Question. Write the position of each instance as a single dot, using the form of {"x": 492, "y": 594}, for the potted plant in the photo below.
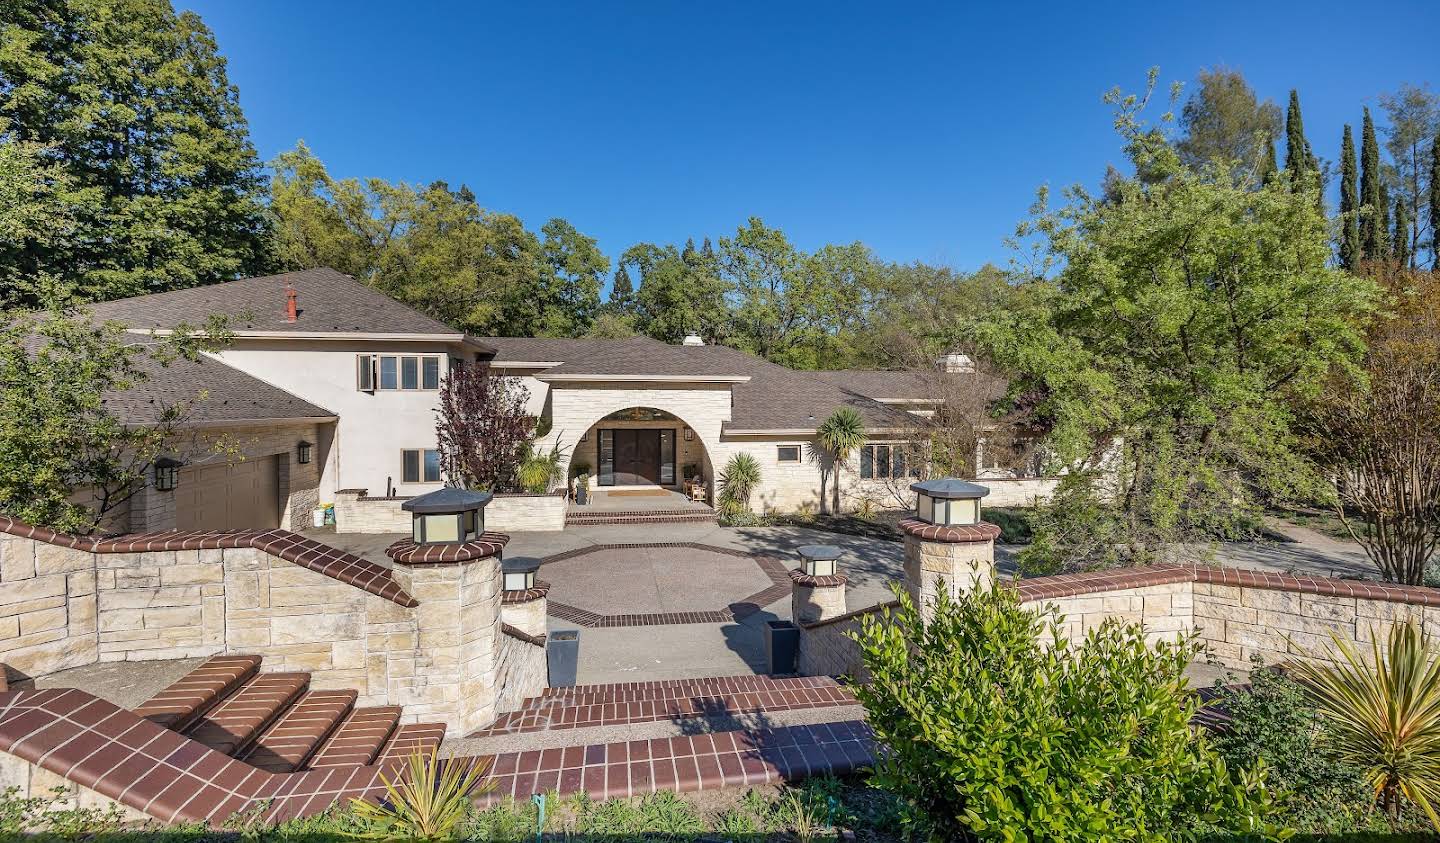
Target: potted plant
{"x": 582, "y": 489}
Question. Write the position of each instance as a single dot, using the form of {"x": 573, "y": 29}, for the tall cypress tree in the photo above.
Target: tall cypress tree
{"x": 1269, "y": 169}
{"x": 1349, "y": 203}
{"x": 1402, "y": 234}
{"x": 1435, "y": 204}
{"x": 622, "y": 291}
{"x": 1372, "y": 208}
{"x": 1300, "y": 160}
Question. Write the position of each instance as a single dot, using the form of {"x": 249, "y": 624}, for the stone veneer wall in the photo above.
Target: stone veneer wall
{"x": 522, "y": 669}
{"x": 355, "y": 512}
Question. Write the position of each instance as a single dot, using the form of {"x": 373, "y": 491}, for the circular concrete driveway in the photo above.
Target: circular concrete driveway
{"x": 645, "y": 585}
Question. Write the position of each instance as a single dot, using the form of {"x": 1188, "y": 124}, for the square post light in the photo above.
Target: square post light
{"x": 167, "y": 474}
{"x": 305, "y": 452}
{"x": 518, "y": 574}
{"x": 447, "y": 516}
{"x": 948, "y": 502}
{"x": 820, "y": 560}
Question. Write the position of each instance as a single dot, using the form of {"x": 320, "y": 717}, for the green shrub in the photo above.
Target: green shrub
{"x": 1275, "y": 722}
{"x": 994, "y": 733}
{"x": 539, "y": 471}
{"x": 1014, "y": 523}
{"x": 429, "y": 802}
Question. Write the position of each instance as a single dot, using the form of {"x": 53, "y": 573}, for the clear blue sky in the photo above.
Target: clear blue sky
{"x": 921, "y": 130}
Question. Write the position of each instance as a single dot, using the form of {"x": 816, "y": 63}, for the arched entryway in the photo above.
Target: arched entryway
{"x": 642, "y": 447}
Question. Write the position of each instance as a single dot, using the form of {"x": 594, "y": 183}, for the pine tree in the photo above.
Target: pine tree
{"x": 688, "y": 254}
{"x": 1269, "y": 169}
{"x": 1435, "y": 204}
{"x": 622, "y": 292}
{"x": 1372, "y": 207}
{"x": 1349, "y": 203}
{"x": 1300, "y": 161}
{"x": 1401, "y": 238}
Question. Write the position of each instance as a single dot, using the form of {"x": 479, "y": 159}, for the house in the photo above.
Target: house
{"x": 329, "y": 385}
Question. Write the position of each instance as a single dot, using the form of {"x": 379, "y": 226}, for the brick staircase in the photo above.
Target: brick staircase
{"x": 276, "y": 722}
{"x": 579, "y": 517}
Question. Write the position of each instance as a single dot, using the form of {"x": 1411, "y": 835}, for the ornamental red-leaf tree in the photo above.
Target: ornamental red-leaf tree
{"x": 483, "y": 428}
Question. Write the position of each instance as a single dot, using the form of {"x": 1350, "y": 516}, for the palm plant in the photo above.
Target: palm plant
{"x": 540, "y": 471}
{"x": 842, "y": 434}
{"x": 1384, "y": 714}
{"x": 428, "y": 802}
{"x": 737, "y": 482}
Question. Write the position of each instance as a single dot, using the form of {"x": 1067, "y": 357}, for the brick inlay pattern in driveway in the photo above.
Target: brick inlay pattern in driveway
{"x": 774, "y": 570}
{"x": 679, "y": 700}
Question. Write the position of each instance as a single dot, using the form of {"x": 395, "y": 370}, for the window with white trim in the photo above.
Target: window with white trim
{"x": 420, "y": 465}
{"x": 394, "y": 372}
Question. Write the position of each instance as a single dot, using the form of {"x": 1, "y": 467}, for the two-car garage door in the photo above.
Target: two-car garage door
{"x": 245, "y": 495}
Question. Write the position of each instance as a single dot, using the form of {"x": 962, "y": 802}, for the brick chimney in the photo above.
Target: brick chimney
{"x": 290, "y": 312}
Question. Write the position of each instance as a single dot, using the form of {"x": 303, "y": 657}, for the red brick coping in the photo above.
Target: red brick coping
{"x": 292, "y": 547}
{"x": 541, "y": 589}
{"x": 537, "y": 640}
{"x": 407, "y": 552}
{"x": 800, "y": 578}
{"x": 982, "y": 532}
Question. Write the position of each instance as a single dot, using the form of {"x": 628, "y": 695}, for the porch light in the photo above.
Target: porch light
{"x": 519, "y": 574}
{"x": 447, "y": 516}
{"x": 820, "y": 559}
{"x": 948, "y": 502}
{"x": 167, "y": 474}
{"x": 689, "y": 435}
{"x": 305, "y": 451}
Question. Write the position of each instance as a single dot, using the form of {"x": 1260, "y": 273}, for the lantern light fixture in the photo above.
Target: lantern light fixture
{"x": 167, "y": 474}
{"x": 948, "y": 502}
{"x": 447, "y": 516}
{"x": 821, "y": 560}
{"x": 305, "y": 452}
{"x": 518, "y": 574}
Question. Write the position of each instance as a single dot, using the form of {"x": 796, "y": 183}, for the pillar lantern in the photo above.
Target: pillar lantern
{"x": 447, "y": 516}
{"x": 820, "y": 559}
{"x": 518, "y": 574}
{"x": 948, "y": 502}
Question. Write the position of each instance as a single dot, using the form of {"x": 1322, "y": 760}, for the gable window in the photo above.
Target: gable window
{"x": 787, "y": 453}
{"x": 885, "y": 462}
{"x": 420, "y": 466}
{"x": 394, "y": 372}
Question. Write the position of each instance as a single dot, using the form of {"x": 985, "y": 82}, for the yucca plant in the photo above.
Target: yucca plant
{"x": 842, "y": 434}
{"x": 737, "y": 482}
{"x": 1384, "y": 714}
{"x": 428, "y": 802}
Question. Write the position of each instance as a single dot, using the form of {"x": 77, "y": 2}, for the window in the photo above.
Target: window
{"x": 390, "y": 372}
{"x": 787, "y": 453}
{"x": 420, "y": 466}
{"x": 885, "y": 462}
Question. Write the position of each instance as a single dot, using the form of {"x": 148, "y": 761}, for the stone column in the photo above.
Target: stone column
{"x": 955, "y": 559}
{"x": 816, "y": 599}
{"x": 458, "y": 624}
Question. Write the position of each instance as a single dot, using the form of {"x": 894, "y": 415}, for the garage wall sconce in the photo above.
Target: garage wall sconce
{"x": 167, "y": 474}
{"x": 305, "y": 452}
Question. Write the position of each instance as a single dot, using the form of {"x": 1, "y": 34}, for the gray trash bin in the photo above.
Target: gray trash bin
{"x": 782, "y": 646}
{"x": 562, "y": 651}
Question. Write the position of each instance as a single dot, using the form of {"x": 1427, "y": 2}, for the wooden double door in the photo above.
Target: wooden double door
{"x": 637, "y": 457}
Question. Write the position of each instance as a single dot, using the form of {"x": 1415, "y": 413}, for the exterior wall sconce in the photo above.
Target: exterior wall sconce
{"x": 305, "y": 452}
{"x": 167, "y": 474}
{"x": 447, "y": 516}
{"x": 519, "y": 574}
{"x": 948, "y": 502}
{"x": 689, "y": 435}
{"x": 821, "y": 560}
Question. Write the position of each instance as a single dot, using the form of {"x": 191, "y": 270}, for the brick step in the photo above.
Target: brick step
{"x": 233, "y": 724}
{"x": 714, "y": 702}
{"x": 295, "y": 735}
{"x": 359, "y": 738}
{"x": 679, "y": 516}
{"x": 180, "y": 704}
{"x": 423, "y": 738}
{"x": 675, "y": 688}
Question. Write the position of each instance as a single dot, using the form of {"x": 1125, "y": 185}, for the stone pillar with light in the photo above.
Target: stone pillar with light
{"x": 453, "y": 569}
{"x": 523, "y": 603}
{"x": 819, "y": 587}
{"x": 947, "y": 545}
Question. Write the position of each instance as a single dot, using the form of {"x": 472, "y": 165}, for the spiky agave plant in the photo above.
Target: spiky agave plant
{"x": 1384, "y": 714}
{"x": 738, "y": 481}
{"x": 428, "y": 802}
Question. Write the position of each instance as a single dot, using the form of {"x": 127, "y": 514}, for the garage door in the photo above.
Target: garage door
{"x": 245, "y": 495}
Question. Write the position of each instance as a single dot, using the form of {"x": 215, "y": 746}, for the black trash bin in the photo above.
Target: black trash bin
{"x": 562, "y": 651}
{"x": 782, "y": 646}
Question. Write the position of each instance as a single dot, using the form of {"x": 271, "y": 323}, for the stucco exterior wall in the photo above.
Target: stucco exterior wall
{"x": 374, "y": 427}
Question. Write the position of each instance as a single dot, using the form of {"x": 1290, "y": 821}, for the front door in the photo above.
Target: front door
{"x": 637, "y": 457}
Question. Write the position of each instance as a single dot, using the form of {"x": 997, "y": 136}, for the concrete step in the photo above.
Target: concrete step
{"x": 610, "y": 517}
{"x": 184, "y": 701}
{"x": 297, "y": 733}
{"x": 238, "y": 720}
{"x": 673, "y": 688}
{"x": 359, "y": 739}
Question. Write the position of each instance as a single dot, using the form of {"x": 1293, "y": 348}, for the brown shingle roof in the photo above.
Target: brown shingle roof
{"x": 216, "y": 394}
{"x": 328, "y": 302}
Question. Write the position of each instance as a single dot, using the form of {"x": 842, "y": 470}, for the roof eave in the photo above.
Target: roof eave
{"x": 597, "y": 378}
{"x": 191, "y": 425}
{"x": 462, "y": 339}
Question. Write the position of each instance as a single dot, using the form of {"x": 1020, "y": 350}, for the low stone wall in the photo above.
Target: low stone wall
{"x": 355, "y": 512}
{"x": 826, "y": 648}
{"x": 522, "y": 670}
{"x": 1029, "y": 491}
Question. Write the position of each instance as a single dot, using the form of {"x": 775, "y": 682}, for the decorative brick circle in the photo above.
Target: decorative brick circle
{"x": 407, "y": 552}
{"x": 772, "y": 568}
{"x": 965, "y": 534}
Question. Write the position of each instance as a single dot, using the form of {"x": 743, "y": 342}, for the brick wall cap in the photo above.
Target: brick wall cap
{"x": 407, "y": 552}
{"x": 965, "y": 534}
{"x": 512, "y": 598}
{"x": 804, "y": 580}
